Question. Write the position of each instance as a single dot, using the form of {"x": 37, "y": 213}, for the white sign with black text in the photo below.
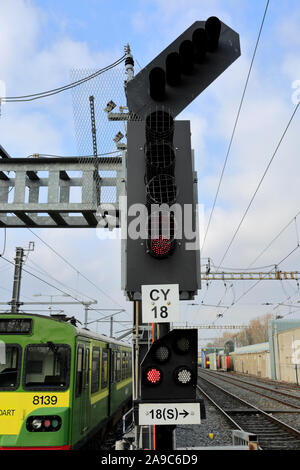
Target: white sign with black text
{"x": 160, "y": 303}
{"x": 169, "y": 413}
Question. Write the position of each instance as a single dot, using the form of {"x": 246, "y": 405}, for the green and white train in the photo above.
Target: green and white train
{"x": 59, "y": 385}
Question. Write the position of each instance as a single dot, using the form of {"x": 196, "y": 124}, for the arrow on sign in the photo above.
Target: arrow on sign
{"x": 184, "y": 413}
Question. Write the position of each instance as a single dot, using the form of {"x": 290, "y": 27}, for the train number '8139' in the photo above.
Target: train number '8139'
{"x": 44, "y": 400}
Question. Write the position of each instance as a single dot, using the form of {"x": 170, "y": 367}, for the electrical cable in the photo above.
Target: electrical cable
{"x": 70, "y": 156}
{"x": 44, "y": 94}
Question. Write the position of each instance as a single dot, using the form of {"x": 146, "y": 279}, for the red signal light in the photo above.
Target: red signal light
{"x": 161, "y": 229}
{"x": 154, "y": 376}
{"x": 160, "y": 246}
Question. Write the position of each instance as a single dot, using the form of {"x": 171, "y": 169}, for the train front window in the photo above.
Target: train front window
{"x": 47, "y": 366}
{"x": 10, "y": 365}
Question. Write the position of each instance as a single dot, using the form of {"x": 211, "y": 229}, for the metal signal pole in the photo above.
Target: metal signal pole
{"x": 19, "y": 260}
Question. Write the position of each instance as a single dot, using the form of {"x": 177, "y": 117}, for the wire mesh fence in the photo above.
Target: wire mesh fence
{"x": 94, "y": 133}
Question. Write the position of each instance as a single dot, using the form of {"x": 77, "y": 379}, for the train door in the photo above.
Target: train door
{"x": 85, "y": 397}
{"x": 111, "y": 378}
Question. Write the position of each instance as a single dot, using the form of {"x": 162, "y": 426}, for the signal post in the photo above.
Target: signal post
{"x": 162, "y": 251}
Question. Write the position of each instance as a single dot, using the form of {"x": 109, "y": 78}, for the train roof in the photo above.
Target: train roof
{"x": 92, "y": 334}
{"x": 77, "y": 331}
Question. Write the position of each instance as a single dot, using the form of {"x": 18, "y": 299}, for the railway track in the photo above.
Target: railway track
{"x": 275, "y": 394}
{"x": 272, "y": 433}
{"x": 275, "y": 384}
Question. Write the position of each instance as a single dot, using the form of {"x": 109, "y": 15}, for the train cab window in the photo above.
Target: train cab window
{"x": 95, "y": 370}
{"x": 47, "y": 366}
{"x": 79, "y": 371}
{"x": 104, "y": 369}
{"x": 10, "y": 365}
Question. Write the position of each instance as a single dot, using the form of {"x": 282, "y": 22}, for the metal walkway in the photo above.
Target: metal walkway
{"x": 36, "y": 192}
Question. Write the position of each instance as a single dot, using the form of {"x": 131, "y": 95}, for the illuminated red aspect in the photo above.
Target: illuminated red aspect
{"x": 160, "y": 246}
{"x": 153, "y": 376}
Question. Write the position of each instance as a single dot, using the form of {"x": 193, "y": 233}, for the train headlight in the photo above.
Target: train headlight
{"x": 37, "y": 423}
{"x": 43, "y": 423}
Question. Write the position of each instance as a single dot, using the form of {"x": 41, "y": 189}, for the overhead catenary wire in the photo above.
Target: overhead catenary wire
{"x": 43, "y": 280}
{"x": 44, "y": 94}
{"x": 242, "y": 269}
{"x": 60, "y": 290}
{"x": 74, "y": 268}
{"x": 260, "y": 280}
{"x": 259, "y": 184}
{"x": 235, "y": 124}
{"x": 274, "y": 239}
{"x": 42, "y": 271}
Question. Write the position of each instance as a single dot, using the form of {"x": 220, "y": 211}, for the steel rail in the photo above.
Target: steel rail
{"x": 232, "y": 381}
{"x": 280, "y": 425}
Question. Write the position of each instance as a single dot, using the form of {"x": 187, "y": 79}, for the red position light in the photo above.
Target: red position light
{"x": 153, "y": 375}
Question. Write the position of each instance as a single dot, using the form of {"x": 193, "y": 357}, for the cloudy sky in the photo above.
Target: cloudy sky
{"x": 42, "y": 42}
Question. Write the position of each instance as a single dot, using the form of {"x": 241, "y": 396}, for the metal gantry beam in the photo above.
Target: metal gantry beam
{"x": 29, "y": 207}
{"x": 214, "y": 327}
{"x": 254, "y": 276}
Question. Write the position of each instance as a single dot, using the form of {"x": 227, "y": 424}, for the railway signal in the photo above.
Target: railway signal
{"x": 161, "y": 227}
{"x": 162, "y": 186}
{"x": 169, "y": 370}
{"x": 160, "y": 165}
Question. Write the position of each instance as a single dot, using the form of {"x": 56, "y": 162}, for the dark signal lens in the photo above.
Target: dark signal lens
{"x": 183, "y": 344}
{"x": 213, "y": 30}
{"x": 173, "y": 69}
{"x": 162, "y": 353}
{"x": 186, "y": 52}
{"x": 157, "y": 84}
{"x": 200, "y": 44}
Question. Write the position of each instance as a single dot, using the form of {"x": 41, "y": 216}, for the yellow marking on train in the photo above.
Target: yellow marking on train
{"x": 14, "y": 407}
{"x": 123, "y": 383}
{"x": 99, "y": 396}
